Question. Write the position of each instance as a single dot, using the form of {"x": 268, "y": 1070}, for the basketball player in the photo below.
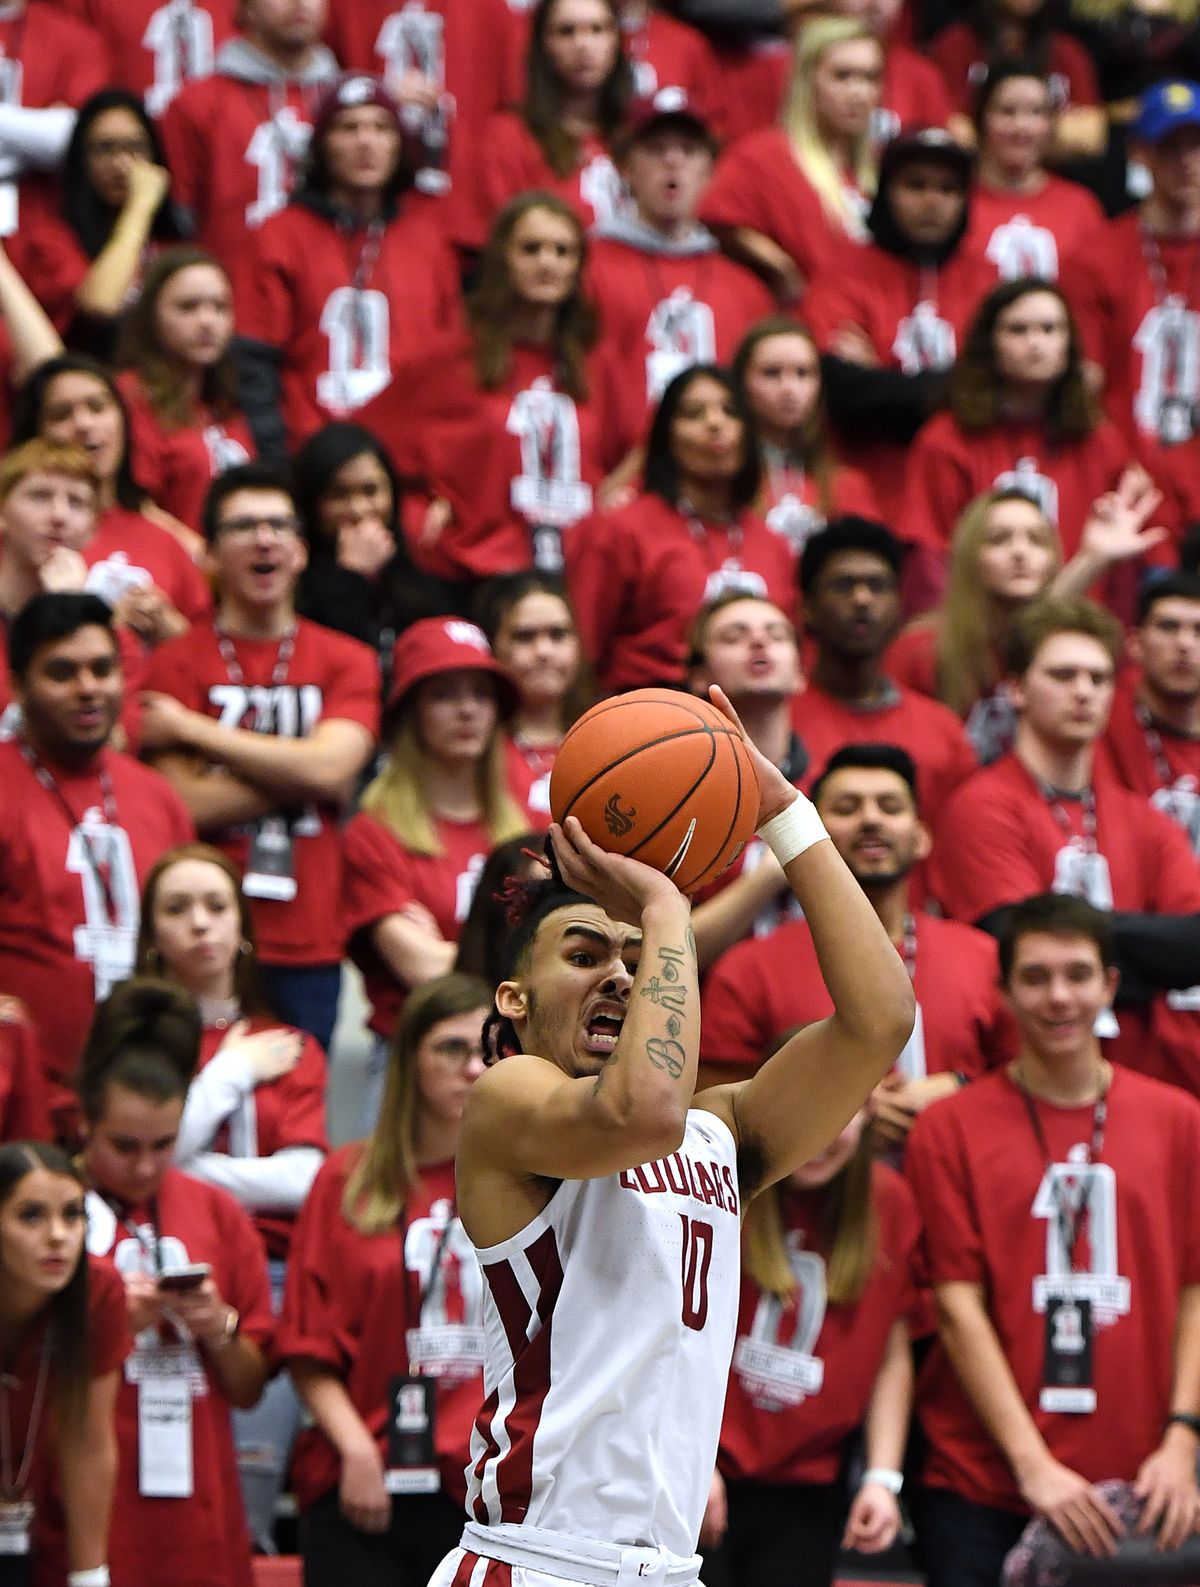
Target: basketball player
{"x": 604, "y": 1201}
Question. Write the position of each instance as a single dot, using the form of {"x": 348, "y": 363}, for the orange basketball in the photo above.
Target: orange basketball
{"x": 662, "y": 777}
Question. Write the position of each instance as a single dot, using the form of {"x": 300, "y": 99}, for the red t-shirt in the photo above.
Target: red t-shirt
{"x": 663, "y": 312}
{"x": 790, "y": 502}
{"x": 999, "y": 840}
{"x": 154, "y": 47}
{"x": 639, "y": 575}
{"x": 803, "y": 1370}
{"x": 129, "y": 551}
{"x": 176, "y": 466}
{"x": 928, "y": 730}
{"x": 758, "y": 184}
{"x": 915, "y": 319}
{"x": 108, "y": 1345}
{"x": 949, "y": 466}
{"x": 1155, "y": 761}
{"x": 510, "y": 459}
{"x": 192, "y": 1542}
{"x": 764, "y": 987}
{"x": 352, "y": 1297}
{"x": 960, "y": 54}
{"x": 330, "y": 677}
{"x": 988, "y": 1208}
{"x": 345, "y": 307}
{"x": 283, "y": 1113}
{"x": 509, "y": 160}
{"x": 24, "y": 1098}
{"x": 1031, "y": 234}
{"x": 1145, "y": 337}
{"x": 234, "y": 149}
{"x": 382, "y": 875}
{"x": 529, "y": 767}
{"x": 62, "y": 947}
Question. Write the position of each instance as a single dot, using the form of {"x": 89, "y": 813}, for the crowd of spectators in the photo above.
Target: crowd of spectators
{"x": 382, "y": 384}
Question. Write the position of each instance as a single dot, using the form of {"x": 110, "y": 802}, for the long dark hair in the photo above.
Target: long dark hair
{"x": 490, "y": 305}
{"x": 84, "y": 211}
{"x": 139, "y": 348}
{"x": 542, "y": 107}
{"x": 27, "y": 420}
{"x": 145, "y": 1036}
{"x": 67, "y": 1311}
{"x": 976, "y": 393}
{"x": 662, "y": 471}
{"x": 316, "y": 463}
{"x": 810, "y": 442}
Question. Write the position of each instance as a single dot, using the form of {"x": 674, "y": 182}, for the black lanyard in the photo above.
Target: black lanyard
{"x": 121, "y": 1213}
{"x": 1069, "y": 1219}
{"x": 233, "y": 667}
{"x": 1087, "y": 800}
{"x": 101, "y": 870}
{"x": 435, "y": 1267}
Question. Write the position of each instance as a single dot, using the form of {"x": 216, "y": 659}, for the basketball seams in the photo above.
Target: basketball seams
{"x": 733, "y": 819}
{"x": 726, "y": 798}
{"x": 674, "y": 811}
{"x": 630, "y": 754}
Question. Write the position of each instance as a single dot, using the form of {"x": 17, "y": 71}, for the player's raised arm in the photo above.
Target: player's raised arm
{"x": 604, "y": 1002}
{"x": 806, "y": 1092}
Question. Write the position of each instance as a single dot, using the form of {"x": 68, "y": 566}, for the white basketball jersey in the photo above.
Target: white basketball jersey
{"x": 610, "y": 1323}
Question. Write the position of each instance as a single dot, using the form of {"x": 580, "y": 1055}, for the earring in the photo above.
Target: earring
{"x": 245, "y": 948}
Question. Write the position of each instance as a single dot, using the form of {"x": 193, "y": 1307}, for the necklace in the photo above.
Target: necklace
{"x": 218, "y": 1013}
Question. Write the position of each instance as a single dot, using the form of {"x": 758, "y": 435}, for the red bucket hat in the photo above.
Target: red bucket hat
{"x": 446, "y": 644}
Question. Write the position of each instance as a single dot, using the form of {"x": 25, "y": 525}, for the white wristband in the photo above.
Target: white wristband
{"x": 793, "y": 830}
{"x": 893, "y": 1481}
{"x": 96, "y": 1577}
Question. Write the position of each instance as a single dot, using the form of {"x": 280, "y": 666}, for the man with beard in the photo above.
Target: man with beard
{"x": 866, "y": 797}
{"x": 80, "y": 826}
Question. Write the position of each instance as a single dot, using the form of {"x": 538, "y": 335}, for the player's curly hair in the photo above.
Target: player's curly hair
{"x": 529, "y": 901}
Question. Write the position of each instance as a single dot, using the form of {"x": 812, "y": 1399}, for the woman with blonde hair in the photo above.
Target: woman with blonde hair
{"x": 1004, "y": 554}
{"x": 784, "y": 200}
{"x": 828, "y": 1276}
{"x": 441, "y": 802}
{"x": 381, "y": 1277}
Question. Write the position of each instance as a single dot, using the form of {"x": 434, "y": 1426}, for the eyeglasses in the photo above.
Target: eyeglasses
{"x": 456, "y": 1051}
{"x": 242, "y": 528}
{"x": 113, "y": 148}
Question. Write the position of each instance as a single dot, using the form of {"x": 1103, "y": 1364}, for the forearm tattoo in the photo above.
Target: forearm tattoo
{"x": 666, "y": 990}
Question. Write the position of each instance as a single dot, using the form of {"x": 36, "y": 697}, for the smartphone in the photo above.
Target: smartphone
{"x": 190, "y": 1276}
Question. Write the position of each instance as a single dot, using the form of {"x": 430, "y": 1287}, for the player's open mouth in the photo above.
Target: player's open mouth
{"x": 264, "y": 569}
{"x": 603, "y": 1030}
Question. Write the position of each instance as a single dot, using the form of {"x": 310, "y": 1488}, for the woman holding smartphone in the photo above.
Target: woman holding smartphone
{"x": 196, "y": 1294}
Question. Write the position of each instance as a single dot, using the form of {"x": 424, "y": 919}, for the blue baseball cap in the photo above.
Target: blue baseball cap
{"x": 1164, "y": 108}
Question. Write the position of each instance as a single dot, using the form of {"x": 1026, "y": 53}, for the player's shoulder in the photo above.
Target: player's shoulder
{"x": 959, "y": 938}
{"x": 996, "y": 791}
{"x": 1157, "y": 1099}
{"x": 960, "y": 1116}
